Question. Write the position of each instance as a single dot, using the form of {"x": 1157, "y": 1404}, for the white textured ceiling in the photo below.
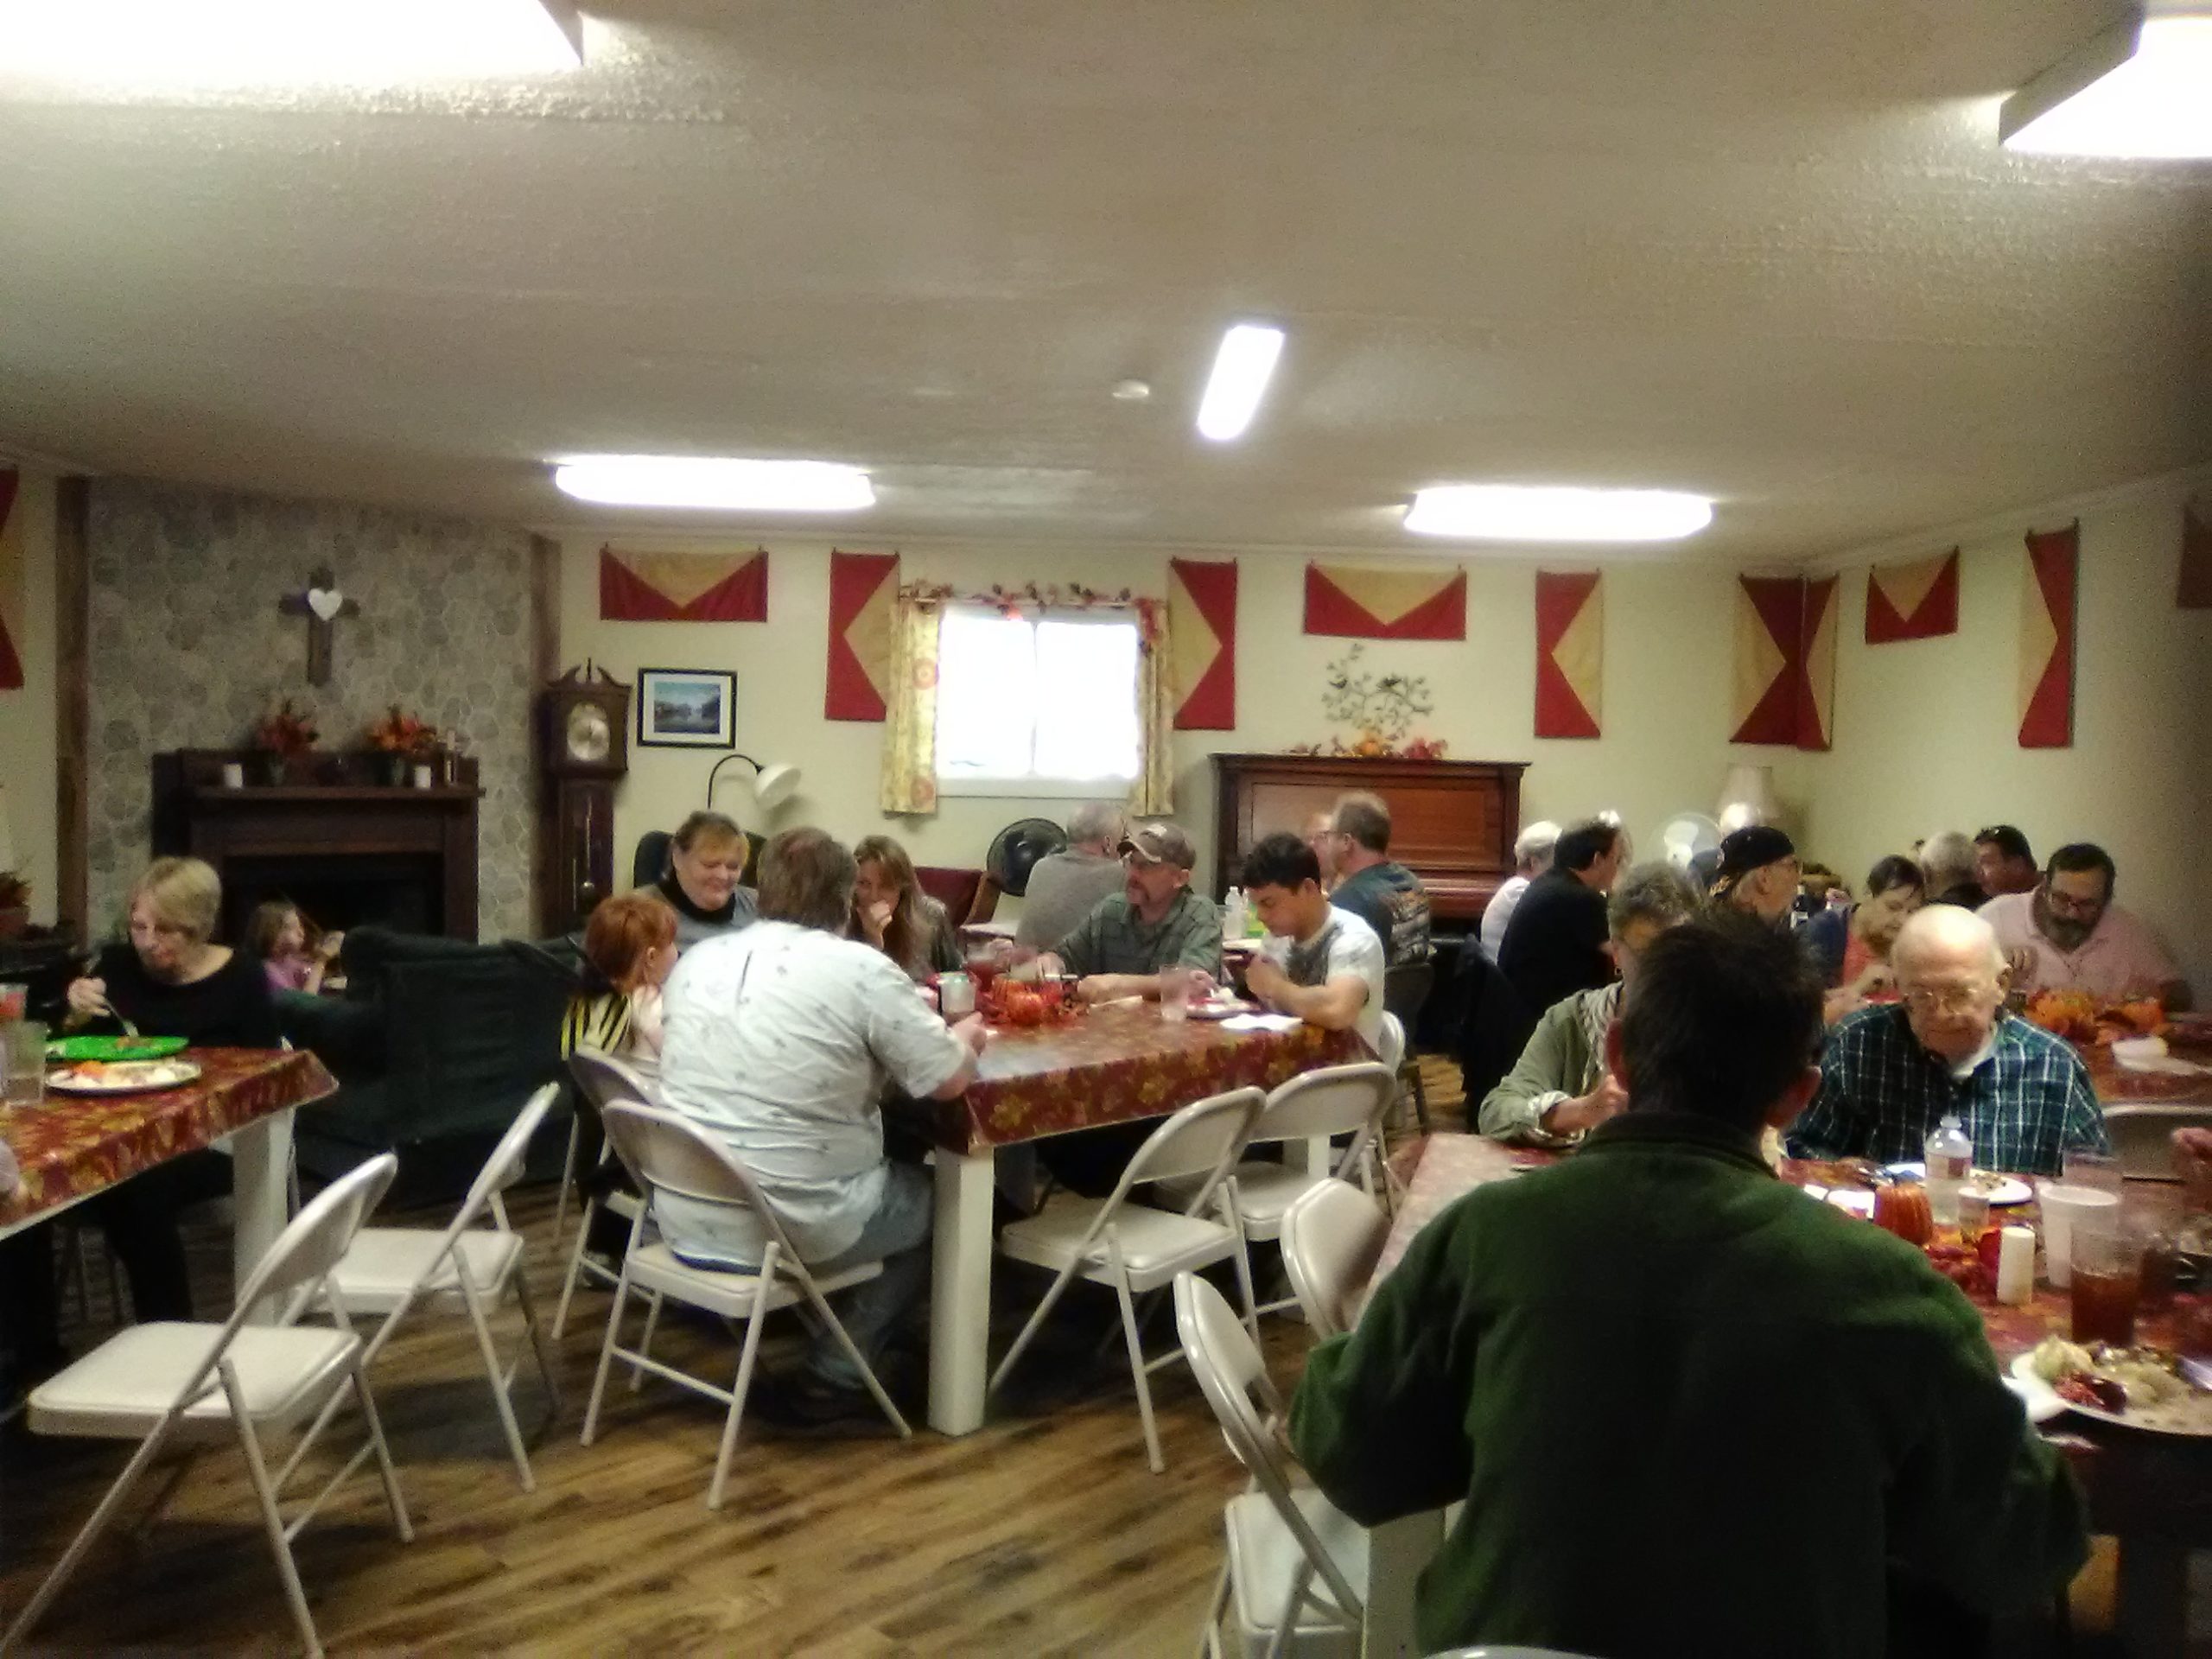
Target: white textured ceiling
{"x": 1769, "y": 251}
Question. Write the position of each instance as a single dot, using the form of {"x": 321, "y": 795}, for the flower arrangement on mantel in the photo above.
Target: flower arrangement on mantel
{"x": 1381, "y": 706}
{"x": 287, "y": 732}
{"x": 401, "y": 732}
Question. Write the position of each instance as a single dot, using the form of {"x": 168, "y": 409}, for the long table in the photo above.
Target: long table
{"x": 1111, "y": 1065}
{"x": 73, "y": 1148}
{"x": 2152, "y": 1492}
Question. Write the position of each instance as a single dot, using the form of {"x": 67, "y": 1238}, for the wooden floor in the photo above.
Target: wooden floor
{"x": 1043, "y": 1534}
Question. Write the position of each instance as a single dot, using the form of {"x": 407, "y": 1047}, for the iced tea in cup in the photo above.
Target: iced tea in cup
{"x": 1174, "y": 994}
{"x": 2107, "y": 1284}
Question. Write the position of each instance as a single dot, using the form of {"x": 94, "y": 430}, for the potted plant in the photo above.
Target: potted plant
{"x": 284, "y": 739}
{"x": 399, "y": 740}
{"x": 14, "y": 905}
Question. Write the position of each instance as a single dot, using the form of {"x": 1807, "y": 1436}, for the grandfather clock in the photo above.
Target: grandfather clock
{"x": 584, "y": 747}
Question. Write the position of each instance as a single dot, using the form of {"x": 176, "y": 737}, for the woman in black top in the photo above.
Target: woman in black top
{"x": 171, "y": 980}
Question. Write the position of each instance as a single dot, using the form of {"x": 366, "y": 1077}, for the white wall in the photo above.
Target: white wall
{"x": 1927, "y": 730}
{"x": 27, "y": 718}
{"x": 1667, "y": 662}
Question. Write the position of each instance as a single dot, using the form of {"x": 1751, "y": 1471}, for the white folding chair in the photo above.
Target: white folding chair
{"x": 1332, "y": 1235}
{"x": 668, "y": 1153}
{"x": 1280, "y": 1537}
{"x": 389, "y": 1269}
{"x": 196, "y": 1383}
{"x": 603, "y": 1080}
{"x": 1135, "y": 1247}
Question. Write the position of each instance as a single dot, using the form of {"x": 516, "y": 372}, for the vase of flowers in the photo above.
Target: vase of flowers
{"x": 283, "y": 740}
{"x": 400, "y": 741}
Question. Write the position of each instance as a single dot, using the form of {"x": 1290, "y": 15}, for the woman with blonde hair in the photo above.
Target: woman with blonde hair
{"x": 891, "y": 912}
{"x": 706, "y": 863}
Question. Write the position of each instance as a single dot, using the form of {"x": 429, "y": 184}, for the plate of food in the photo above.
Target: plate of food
{"x": 121, "y": 1077}
{"x": 114, "y": 1048}
{"x": 1994, "y": 1184}
{"x": 1219, "y": 1006}
{"x": 2143, "y": 1387}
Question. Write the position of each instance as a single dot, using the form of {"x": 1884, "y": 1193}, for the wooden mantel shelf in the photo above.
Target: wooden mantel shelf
{"x": 254, "y": 795}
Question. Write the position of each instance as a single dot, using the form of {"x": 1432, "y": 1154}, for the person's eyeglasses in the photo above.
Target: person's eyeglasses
{"x": 2066, "y": 905}
{"x": 1952, "y": 1000}
{"x": 163, "y": 929}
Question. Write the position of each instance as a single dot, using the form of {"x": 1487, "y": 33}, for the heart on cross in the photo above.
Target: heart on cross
{"x": 326, "y": 602}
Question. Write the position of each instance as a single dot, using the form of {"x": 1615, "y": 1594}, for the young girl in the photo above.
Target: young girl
{"x": 278, "y": 935}
{"x": 629, "y": 948}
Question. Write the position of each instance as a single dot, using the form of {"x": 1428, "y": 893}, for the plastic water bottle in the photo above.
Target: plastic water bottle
{"x": 1950, "y": 1160}
{"x": 1232, "y": 914}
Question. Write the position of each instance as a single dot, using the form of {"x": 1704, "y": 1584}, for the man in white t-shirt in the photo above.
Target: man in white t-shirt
{"x": 1319, "y": 962}
{"x": 1532, "y": 857}
{"x": 780, "y": 1040}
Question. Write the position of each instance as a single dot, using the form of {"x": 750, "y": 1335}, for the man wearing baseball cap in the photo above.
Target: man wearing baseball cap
{"x": 1156, "y": 921}
{"x": 1757, "y": 874}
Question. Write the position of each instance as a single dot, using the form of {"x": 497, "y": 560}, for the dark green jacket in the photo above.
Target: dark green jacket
{"x": 1690, "y": 1409}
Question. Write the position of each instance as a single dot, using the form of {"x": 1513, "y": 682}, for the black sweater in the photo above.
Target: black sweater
{"x": 230, "y": 1008}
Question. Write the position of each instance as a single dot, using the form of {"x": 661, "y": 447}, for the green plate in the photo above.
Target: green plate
{"x": 114, "y": 1048}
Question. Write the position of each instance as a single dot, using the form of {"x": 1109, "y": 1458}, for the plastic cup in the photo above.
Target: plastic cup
{"x": 2068, "y": 1210}
{"x": 2107, "y": 1284}
{"x": 1174, "y": 994}
{"x": 2093, "y": 1169}
{"x": 13, "y": 1000}
{"x": 1973, "y": 1214}
{"x": 25, "y": 1042}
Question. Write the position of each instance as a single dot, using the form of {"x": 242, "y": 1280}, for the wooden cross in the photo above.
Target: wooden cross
{"x": 322, "y": 604}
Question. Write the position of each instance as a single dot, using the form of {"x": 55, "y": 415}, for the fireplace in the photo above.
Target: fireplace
{"x": 344, "y": 847}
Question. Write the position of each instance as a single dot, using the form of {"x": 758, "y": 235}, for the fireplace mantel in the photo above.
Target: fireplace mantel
{"x": 332, "y": 813}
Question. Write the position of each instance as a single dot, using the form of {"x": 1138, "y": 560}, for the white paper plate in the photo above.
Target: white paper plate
{"x": 2041, "y": 1399}
{"x": 123, "y": 1077}
{"x": 2192, "y": 1419}
{"x": 2008, "y": 1189}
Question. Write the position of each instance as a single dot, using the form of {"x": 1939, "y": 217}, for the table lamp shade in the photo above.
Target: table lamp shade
{"x": 775, "y": 785}
{"x": 1747, "y": 797}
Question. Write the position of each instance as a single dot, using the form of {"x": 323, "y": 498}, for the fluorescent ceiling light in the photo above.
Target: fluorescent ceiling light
{"x": 2141, "y": 88}
{"x": 708, "y": 481}
{"x": 279, "y": 42}
{"x": 1513, "y": 512}
{"x": 1241, "y": 369}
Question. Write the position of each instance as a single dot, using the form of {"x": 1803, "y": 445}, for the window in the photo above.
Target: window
{"x": 1036, "y": 706}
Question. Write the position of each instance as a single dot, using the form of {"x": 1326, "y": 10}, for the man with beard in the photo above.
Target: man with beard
{"x": 2068, "y": 935}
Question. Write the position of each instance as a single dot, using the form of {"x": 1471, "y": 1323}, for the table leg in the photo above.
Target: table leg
{"x": 1397, "y": 1552}
{"x": 960, "y": 1292}
{"x": 1319, "y": 1163}
{"x": 261, "y": 1169}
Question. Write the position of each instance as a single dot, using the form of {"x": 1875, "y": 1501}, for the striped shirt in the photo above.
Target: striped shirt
{"x": 1882, "y": 1095}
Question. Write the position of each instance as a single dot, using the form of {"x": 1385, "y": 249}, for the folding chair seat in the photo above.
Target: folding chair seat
{"x": 189, "y": 1384}
{"x": 1133, "y": 1247}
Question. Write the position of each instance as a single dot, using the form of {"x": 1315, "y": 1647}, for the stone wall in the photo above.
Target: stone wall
{"x": 189, "y": 650}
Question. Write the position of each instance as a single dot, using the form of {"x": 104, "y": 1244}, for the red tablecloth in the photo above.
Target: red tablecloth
{"x": 73, "y": 1145}
{"x": 1111, "y": 1065}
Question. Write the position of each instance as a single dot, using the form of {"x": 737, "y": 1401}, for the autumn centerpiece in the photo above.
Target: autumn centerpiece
{"x": 283, "y": 740}
{"x": 399, "y": 739}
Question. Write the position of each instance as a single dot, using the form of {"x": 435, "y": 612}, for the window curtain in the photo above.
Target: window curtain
{"x": 908, "y": 783}
{"x": 1152, "y": 793}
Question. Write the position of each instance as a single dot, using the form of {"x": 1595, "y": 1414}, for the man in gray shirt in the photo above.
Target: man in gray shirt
{"x": 1065, "y": 887}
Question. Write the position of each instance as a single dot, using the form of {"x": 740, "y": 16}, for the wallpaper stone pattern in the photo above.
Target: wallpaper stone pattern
{"x": 189, "y": 650}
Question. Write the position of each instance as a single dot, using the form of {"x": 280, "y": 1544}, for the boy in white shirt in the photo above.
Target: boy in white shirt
{"x": 1319, "y": 962}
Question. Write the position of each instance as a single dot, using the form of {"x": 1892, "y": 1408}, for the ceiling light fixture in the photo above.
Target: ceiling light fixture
{"x": 1239, "y": 380}
{"x": 2140, "y": 89}
{"x": 1514, "y": 512}
{"x": 279, "y": 42}
{"x": 713, "y": 482}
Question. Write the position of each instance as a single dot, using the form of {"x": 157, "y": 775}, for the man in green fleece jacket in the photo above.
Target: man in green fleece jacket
{"x": 1690, "y": 1409}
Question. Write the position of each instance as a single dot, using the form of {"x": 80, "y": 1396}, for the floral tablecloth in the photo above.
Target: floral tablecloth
{"x": 71, "y": 1146}
{"x": 1111, "y": 1065}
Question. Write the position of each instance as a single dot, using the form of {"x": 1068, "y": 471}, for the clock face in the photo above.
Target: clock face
{"x": 590, "y": 737}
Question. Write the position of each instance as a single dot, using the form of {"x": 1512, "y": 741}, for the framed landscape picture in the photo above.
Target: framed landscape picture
{"x": 687, "y": 708}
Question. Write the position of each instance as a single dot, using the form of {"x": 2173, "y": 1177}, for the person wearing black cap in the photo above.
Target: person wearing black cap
{"x": 1757, "y": 874}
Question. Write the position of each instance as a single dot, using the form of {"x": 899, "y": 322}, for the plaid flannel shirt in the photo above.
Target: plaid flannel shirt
{"x": 1112, "y": 940}
{"x": 1882, "y": 1094}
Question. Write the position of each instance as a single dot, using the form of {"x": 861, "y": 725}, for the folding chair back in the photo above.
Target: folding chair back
{"x": 1204, "y": 1139}
{"x": 1332, "y": 1235}
{"x": 1335, "y": 1099}
{"x": 1392, "y": 1053}
{"x": 316, "y": 1240}
{"x": 505, "y": 1167}
{"x": 1234, "y": 1378}
{"x": 605, "y": 1079}
{"x": 670, "y": 1154}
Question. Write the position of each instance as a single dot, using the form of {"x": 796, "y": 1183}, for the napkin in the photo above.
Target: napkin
{"x": 1261, "y": 1022}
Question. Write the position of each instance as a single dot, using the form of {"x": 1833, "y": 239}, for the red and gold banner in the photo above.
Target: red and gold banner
{"x": 1916, "y": 600}
{"x": 863, "y": 587}
{"x": 1202, "y": 643}
{"x": 1769, "y": 659}
{"x": 683, "y": 587}
{"x": 1570, "y": 652}
{"x": 11, "y": 595}
{"x": 1361, "y": 601}
{"x": 1817, "y": 696}
{"x": 2193, "y": 591}
{"x": 2047, "y": 639}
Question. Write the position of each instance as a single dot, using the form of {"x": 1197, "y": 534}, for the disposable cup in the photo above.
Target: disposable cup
{"x": 2066, "y": 1210}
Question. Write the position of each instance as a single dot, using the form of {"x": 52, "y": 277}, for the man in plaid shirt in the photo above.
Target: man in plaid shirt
{"x": 1891, "y": 1073}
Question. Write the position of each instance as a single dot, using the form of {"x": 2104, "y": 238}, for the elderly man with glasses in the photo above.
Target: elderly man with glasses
{"x": 1891, "y": 1073}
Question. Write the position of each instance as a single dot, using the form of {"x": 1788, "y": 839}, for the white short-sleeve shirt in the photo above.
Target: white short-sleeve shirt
{"x": 779, "y": 1039}
{"x": 1351, "y": 948}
